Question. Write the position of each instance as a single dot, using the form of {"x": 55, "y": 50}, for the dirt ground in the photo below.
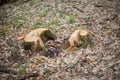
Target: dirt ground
{"x": 96, "y": 59}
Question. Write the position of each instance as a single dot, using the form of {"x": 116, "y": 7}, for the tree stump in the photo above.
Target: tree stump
{"x": 36, "y": 39}
{"x": 76, "y": 37}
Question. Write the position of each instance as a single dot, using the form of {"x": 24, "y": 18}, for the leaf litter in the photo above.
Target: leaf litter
{"x": 99, "y": 60}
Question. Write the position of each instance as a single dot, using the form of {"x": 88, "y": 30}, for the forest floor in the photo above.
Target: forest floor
{"x": 96, "y": 59}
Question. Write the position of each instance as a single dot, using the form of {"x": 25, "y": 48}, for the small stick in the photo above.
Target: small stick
{"x": 8, "y": 71}
{"x": 23, "y": 77}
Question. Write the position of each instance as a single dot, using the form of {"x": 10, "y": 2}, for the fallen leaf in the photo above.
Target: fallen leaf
{"x": 39, "y": 59}
{"x": 31, "y": 65}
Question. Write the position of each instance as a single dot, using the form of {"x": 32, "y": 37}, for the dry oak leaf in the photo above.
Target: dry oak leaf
{"x": 31, "y": 65}
{"x": 75, "y": 37}
{"x": 37, "y": 38}
{"x": 39, "y": 59}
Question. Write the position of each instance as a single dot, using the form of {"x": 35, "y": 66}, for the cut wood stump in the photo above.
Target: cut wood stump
{"x": 75, "y": 39}
{"x": 36, "y": 39}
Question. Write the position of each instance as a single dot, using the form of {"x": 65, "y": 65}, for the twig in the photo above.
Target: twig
{"x": 78, "y": 9}
{"x": 8, "y": 71}
{"x": 23, "y": 77}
